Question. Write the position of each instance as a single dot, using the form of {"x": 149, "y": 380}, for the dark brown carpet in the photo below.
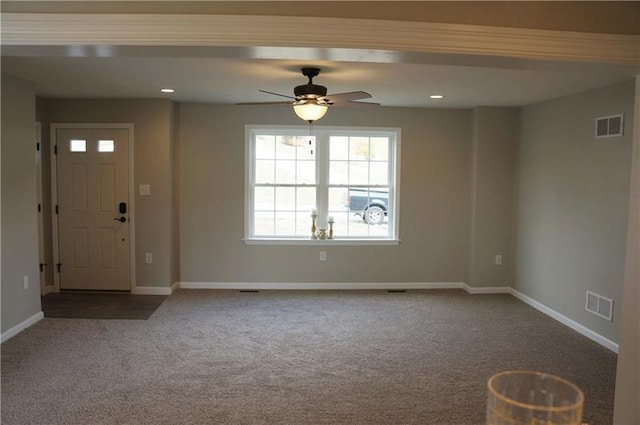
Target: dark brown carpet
{"x": 294, "y": 358}
{"x": 72, "y": 305}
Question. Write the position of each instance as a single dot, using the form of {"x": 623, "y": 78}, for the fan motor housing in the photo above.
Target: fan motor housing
{"x": 310, "y": 90}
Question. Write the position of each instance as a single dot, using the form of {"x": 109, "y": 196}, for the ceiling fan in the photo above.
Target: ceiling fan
{"x": 311, "y": 101}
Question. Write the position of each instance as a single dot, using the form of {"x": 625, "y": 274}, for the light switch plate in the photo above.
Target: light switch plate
{"x": 145, "y": 190}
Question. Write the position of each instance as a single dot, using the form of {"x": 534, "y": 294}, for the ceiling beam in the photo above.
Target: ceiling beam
{"x": 31, "y": 29}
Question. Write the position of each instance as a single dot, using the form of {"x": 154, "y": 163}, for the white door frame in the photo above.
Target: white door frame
{"x": 45, "y": 286}
{"x": 54, "y": 196}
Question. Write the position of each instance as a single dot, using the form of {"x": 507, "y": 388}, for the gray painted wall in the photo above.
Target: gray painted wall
{"x": 19, "y": 201}
{"x": 492, "y": 175}
{"x": 433, "y": 200}
{"x": 572, "y": 204}
{"x": 153, "y": 162}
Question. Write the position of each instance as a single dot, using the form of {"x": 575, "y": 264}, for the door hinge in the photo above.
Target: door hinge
{"x": 55, "y": 149}
{"x": 39, "y": 207}
{"x": 42, "y": 265}
{"x": 56, "y": 210}
{"x": 59, "y": 265}
{"x": 38, "y": 146}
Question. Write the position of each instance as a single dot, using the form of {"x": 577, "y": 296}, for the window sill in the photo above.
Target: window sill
{"x": 323, "y": 242}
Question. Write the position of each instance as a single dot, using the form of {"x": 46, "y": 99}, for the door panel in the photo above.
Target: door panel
{"x": 107, "y": 188}
{"x": 93, "y": 179}
{"x": 80, "y": 248}
{"x": 79, "y": 188}
{"x": 108, "y": 248}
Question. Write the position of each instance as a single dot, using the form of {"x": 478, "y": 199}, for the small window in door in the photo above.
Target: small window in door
{"x": 77, "y": 145}
{"x": 106, "y": 146}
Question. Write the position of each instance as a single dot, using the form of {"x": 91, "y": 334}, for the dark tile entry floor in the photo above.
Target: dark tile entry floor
{"x": 84, "y": 305}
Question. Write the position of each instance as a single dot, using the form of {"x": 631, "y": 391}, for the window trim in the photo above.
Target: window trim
{"x": 393, "y": 133}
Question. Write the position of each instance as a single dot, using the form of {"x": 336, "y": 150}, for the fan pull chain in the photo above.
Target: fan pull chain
{"x": 310, "y": 135}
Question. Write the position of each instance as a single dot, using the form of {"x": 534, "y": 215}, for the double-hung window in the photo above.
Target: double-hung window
{"x": 342, "y": 179}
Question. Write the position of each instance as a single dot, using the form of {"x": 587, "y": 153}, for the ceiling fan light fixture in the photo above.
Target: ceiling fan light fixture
{"x": 311, "y": 101}
{"x": 310, "y": 111}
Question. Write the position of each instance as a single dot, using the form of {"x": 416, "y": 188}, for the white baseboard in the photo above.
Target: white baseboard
{"x": 151, "y": 290}
{"x": 175, "y": 286}
{"x": 594, "y": 336}
{"x": 321, "y": 285}
{"x": 487, "y": 289}
{"x": 343, "y": 285}
{"x": 21, "y": 326}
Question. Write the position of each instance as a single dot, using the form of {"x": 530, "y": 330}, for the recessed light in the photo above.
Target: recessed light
{"x": 167, "y": 90}
{"x": 436, "y": 96}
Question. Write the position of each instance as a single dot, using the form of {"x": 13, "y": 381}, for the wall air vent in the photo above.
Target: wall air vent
{"x": 599, "y": 305}
{"x": 610, "y": 126}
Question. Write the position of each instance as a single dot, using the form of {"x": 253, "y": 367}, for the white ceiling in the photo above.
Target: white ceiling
{"x": 232, "y": 80}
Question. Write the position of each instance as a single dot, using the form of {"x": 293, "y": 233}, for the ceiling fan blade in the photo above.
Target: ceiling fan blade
{"x": 266, "y": 103}
{"x": 278, "y": 94}
{"x": 352, "y": 103}
{"x": 346, "y": 97}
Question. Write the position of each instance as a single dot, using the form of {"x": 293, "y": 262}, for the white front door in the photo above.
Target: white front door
{"x": 93, "y": 208}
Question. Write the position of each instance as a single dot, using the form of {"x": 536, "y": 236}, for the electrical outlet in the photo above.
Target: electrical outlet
{"x": 25, "y": 282}
{"x": 498, "y": 260}
{"x": 148, "y": 258}
{"x": 323, "y": 255}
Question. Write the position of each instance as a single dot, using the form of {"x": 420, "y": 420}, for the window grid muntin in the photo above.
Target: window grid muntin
{"x": 279, "y": 157}
{"x": 390, "y": 141}
{"x": 322, "y": 187}
{"x": 299, "y": 213}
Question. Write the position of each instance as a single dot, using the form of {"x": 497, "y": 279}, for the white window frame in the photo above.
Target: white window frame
{"x": 322, "y": 135}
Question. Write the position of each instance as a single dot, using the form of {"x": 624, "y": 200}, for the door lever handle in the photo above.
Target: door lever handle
{"x": 120, "y": 219}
